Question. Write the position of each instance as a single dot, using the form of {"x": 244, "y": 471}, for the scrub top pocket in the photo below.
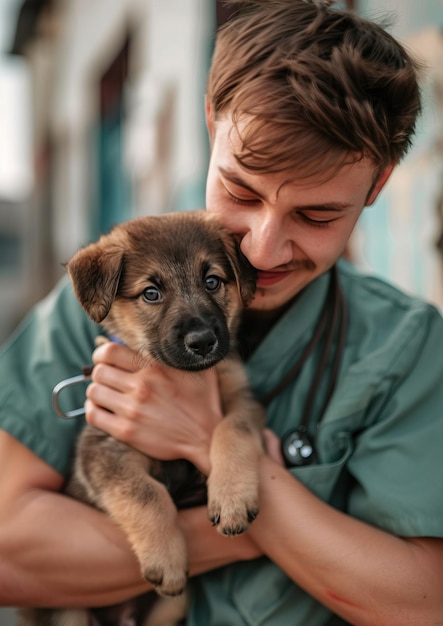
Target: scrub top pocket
{"x": 322, "y": 479}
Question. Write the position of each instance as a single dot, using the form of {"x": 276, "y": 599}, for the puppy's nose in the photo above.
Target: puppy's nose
{"x": 201, "y": 342}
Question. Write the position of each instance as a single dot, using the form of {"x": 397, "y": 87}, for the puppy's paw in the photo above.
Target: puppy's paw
{"x": 167, "y": 581}
{"x": 165, "y": 565}
{"x": 232, "y": 513}
{"x": 233, "y": 500}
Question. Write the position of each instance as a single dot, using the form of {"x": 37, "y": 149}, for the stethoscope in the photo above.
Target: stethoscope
{"x": 84, "y": 377}
{"x": 297, "y": 446}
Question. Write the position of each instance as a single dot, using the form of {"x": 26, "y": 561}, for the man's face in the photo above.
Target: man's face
{"x": 290, "y": 230}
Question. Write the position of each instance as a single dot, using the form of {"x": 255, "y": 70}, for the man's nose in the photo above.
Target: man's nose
{"x": 266, "y": 243}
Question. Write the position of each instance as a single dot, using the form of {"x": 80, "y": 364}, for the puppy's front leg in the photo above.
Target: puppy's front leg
{"x": 116, "y": 479}
{"x": 236, "y": 448}
{"x": 147, "y": 516}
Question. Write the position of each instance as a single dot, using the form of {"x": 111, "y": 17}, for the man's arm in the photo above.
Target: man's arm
{"x": 365, "y": 575}
{"x": 55, "y": 551}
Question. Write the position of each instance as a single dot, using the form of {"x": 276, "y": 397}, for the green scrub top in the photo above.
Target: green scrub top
{"x": 378, "y": 445}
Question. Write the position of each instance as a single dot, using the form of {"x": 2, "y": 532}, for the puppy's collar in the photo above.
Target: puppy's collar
{"x": 115, "y": 339}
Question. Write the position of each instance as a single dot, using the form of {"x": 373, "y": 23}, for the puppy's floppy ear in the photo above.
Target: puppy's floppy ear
{"x": 95, "y": 273}
{"x": 245, "y": 273}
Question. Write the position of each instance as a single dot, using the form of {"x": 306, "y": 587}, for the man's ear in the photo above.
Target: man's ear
{"x": 209, "y": 118}
{"x": 379, "y": 184}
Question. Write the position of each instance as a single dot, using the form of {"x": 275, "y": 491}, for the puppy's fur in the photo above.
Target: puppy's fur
{"x": 171, "y": 288}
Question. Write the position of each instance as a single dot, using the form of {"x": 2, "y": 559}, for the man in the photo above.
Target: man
{"x": 308, "y": 109}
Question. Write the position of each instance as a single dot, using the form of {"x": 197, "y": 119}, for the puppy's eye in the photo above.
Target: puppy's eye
{"x": 152, "y": 294}
{"x": 212, "y": 283}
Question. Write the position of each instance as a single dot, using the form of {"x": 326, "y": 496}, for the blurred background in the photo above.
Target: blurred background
{"x": 102, "y": 119}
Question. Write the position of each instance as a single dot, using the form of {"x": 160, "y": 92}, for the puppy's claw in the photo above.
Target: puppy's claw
{"x": 174, "y": 586}
{"x": 233, "y": 524}
{"x": 231, "y": 531}
{"x": 153, "y": 576}
{"x": 215, "y": 519}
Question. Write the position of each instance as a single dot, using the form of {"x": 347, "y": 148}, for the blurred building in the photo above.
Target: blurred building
{"x": 117, "y": 101}
{"x": 400, "y": 237}
{"x": 118, "y": 130}
{"x": 15, "y": 261}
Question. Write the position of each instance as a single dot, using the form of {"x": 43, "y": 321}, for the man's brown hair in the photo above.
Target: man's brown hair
{"x": 314, "y": 87}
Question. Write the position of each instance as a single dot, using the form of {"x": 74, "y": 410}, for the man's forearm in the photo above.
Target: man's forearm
{"x": 364, "y": 574}
{"x": 58, "y": 552}
{"x": 207, "y": 548}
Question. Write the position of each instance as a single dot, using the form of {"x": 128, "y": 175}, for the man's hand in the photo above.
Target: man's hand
{"x": 162, "y": 412}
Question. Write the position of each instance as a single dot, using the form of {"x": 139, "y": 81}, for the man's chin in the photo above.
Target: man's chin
{"x": 278, "y": 296}
{"x": 264, "y": 300}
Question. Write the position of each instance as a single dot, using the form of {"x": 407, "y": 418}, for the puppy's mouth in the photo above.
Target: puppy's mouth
{"x": 189, "y": 361}
{"x": 195, "y": 351}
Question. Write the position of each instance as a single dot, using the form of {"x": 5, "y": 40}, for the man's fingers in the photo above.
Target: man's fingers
{"x": 117, "y": 355}
{"x": 112, "y": 377}
{"x": 100, "y": 418}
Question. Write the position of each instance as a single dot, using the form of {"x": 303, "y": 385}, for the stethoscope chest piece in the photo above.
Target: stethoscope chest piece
{"x": 297, "y": 448}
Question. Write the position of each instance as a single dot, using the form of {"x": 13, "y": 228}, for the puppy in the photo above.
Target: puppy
{"x": 171, "y": 288}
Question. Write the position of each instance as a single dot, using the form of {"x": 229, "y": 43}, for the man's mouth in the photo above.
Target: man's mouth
{"x": 267, "y": 279}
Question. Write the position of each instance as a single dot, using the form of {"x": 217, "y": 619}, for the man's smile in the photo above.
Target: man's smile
{"x": 267, "y": 279}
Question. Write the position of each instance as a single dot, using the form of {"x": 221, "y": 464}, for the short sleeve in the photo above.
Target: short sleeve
{"x": 54, "y": 342}
{"x": 397, "y": 462}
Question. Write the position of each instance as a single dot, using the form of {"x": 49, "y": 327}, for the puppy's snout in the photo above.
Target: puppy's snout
{"x": 201, "y": 342}
{"x": 197, "y": 342}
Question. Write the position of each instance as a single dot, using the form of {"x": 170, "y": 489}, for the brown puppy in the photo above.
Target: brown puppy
{"x": 171, "y": 288}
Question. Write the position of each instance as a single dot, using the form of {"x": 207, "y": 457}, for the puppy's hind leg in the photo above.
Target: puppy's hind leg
{"x": 70, "y": 617}
{"x": 52, "y": 617}
{"x": 167, "y": 611}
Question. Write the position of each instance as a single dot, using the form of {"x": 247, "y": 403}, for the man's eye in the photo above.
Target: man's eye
{"x": 212, "y": 283}
{"x": 318, "y": 223}
{"x": 238, "y": 200}
{"x": 152, "y": 294}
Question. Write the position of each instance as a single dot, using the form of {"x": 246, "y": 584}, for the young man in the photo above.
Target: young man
{"x": 309, "y": 109}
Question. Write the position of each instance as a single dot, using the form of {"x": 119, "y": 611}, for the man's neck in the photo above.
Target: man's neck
{"x": 254, "y": 326}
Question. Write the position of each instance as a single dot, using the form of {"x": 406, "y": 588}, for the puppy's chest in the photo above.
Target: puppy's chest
{"x": 185, "y": 483}
{"x": 103, "y": 461}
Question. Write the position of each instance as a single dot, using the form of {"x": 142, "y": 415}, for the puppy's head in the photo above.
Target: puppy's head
{"x": 170, "y": 287}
